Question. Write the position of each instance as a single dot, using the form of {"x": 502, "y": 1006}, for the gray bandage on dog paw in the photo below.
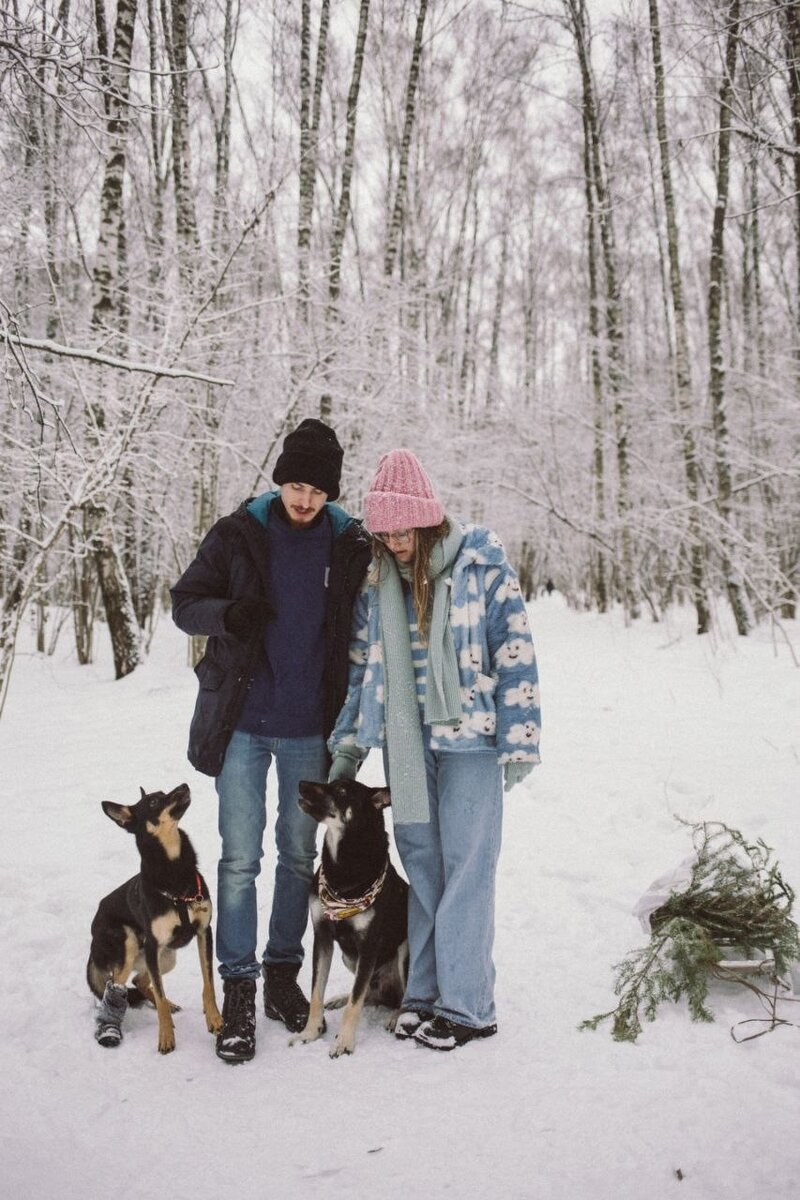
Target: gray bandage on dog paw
{"x": 110, "y": 1014}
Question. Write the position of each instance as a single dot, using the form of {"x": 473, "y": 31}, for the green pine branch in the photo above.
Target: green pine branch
{"x": 736, "y": 897}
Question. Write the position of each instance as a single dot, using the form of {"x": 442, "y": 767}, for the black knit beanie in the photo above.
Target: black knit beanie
{"x": 311, "y": 454}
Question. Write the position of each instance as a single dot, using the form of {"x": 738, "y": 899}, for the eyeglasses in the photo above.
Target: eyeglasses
{"x": 401, "y": 536}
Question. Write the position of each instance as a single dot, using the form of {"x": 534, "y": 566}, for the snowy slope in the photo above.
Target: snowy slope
{"x": 640, "y": 724}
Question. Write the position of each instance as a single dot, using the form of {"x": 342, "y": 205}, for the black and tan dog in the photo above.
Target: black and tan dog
{"x": 139, "y": 926}
{"x": 358, "y": 901}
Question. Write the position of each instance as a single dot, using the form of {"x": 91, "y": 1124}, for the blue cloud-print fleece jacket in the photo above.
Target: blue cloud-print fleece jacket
{"x": 496, "y": 661}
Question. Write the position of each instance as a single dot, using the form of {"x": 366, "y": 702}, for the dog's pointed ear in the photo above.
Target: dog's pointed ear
{"x": 381, "y": 797}
{"x": 144, "y": 793}
{"x": 119, "y": 813}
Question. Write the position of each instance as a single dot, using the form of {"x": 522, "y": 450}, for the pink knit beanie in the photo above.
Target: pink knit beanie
{"x": 401, "y": 495}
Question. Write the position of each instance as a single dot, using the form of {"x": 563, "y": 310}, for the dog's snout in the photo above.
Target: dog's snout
{"x": 314, "y": 799}
{"x": 311, "y": 793}
{"x": 180, "y": 798}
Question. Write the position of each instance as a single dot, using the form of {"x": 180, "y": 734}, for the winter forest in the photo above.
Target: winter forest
{"x": 553, "y": 247}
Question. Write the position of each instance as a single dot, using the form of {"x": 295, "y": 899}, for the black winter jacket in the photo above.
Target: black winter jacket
{"x": 231, "y": 562}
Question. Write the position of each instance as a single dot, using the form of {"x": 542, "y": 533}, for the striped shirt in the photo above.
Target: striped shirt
{"x": 419, "y": 649}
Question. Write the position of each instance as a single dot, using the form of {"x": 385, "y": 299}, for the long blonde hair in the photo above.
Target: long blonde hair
{"x": 426, "y": 539}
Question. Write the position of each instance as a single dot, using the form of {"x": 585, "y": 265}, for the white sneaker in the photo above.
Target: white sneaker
{"x": 409, "y": 1021}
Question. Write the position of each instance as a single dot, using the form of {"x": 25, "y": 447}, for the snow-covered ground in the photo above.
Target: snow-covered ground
{"x": 640, "y": 724}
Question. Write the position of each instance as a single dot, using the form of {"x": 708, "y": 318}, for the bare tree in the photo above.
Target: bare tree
{"x": 398, "y": 208}
{"x": 342, "y": 213}
{"x": 175, "y": 18}
{"x": 310, "y": 113}
{"x": 683, "y": 379}
{"x": 613, "y": 310}
{"x": 731, "y": 570}
{"x": 790, "y": 12}
{"x": 599, "y": 570}
{"x": 109, "y": 318}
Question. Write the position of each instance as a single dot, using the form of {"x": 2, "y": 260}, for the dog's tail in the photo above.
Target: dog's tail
{"x": 98, "y": 979}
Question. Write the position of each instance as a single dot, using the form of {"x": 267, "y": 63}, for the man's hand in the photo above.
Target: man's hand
{"x": 247, "y": 616}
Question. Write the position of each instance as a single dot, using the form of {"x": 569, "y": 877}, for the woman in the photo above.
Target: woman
{"x": 443, "y": 676}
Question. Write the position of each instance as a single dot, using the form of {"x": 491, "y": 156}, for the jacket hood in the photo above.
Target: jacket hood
{"x": 259, "y": 506}
{"x": 480, "y": 546}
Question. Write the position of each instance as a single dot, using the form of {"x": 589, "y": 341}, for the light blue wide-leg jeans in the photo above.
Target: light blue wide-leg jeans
{"x": 241, "y": 788}
{"x": 451, "y": 864}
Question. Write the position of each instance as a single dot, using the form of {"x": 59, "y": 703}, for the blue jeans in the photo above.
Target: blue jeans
{"x": 242, "y": 791}
{"x": 451, "y": 865}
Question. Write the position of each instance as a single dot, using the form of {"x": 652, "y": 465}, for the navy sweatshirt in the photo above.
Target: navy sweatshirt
{"x": 285, "y": 697}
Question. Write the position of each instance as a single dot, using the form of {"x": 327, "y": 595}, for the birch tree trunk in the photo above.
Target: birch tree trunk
{"x": 791, "y": 19}
{"x": 719, "y": 415}
{"x": 176, "y": 39}
{"x": 219, "y": 236}
{"x": 208, "y": 410}
{"x": 790, "y": 552}
{"x": 342, "y": 214}
{"x": 755, "y": 366}
{"x": 613, "y": 311}
{"x": 155, "y": 238}
{"x": 51, "y": 135}
{"x": 114, "y": 588}
{"x": 599, "y": 570}
{"x": 343, "y": 207}
{"x": 107, "y": 317}
{"x": 399, "y": 207}
{"x": 683, "y": 380}
{"x": 530, "y": 316}
{"x": 467, "y": 374}
{"x": 497, "y": 318}
{"x": 108, "y": 283}
{"x": 84, "y": 592}
{"x": 310, "y": 109}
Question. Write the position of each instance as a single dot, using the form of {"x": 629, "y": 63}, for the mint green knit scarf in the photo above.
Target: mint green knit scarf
{"x": 407, "y": 776}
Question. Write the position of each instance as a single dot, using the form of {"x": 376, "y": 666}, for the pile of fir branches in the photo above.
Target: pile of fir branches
{"x": 736, "y": 898}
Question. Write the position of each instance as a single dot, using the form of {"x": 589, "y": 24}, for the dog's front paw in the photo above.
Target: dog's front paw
{"x": 309, "y": 1034}
{"x": 342, "y": 1045}
{"x": 214, "y": 1022}
{"x": 166, "y": 1043}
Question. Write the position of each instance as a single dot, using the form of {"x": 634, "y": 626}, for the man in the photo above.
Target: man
{"x": 272, "y": 587}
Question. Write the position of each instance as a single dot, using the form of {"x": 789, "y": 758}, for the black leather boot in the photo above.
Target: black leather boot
{"x": 283, "y": 1000}
{"x": 237, "y": 1041}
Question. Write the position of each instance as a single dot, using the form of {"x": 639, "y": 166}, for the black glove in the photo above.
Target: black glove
{"x": 247, "y": 616}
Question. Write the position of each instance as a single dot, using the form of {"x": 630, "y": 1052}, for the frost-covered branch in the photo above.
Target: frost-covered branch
{"x": 45, "y": 346}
